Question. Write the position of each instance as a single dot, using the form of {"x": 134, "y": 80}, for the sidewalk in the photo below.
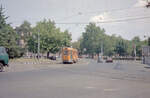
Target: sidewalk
{"x": 23, "y": 64}
{"x": 33, "y": 61}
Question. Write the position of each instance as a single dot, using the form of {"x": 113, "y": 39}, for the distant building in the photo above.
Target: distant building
{"x": 23, "y": 34}
{"x": 22, "y": 43}
{"x": 146, "y": 54}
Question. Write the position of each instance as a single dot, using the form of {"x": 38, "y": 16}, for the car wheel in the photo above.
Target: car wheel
{"x": 1, "y": 67}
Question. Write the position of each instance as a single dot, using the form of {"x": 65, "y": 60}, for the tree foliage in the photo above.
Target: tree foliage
{"x": 121, "y": 48}
{"x": 51, "y": 38}
{"x": 24, "y": 30}
{"x": 8, "y": 37}
{"x": 94, "y": 38}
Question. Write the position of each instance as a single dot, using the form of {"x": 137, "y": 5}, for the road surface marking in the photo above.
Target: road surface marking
{"x": 90, "y": 87}
{"x": 110, "y": 90}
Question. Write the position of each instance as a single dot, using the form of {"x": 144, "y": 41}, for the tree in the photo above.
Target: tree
{"x": 93, "y": 38}
{"x": 121, "y": 48}
{"x": 8, "y": 36}
{"x": 51, "y": 38}
{"x": 24, "y": 30}
{"x": 109, "y": 45}
{"x": 66, "y": 38}
{"x": 76, "y": 45}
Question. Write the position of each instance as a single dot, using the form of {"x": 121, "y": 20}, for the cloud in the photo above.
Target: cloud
{"x": 140, "y": 3}
{"x": 100, "y": 18}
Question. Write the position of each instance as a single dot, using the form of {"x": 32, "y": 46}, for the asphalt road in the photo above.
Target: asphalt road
{"x": 91, "y": 80}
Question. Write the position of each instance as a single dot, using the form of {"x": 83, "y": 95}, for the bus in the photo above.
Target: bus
{"x": 69, "y": 55}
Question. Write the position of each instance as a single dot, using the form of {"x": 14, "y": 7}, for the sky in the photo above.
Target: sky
{"x": 83, "y": 11}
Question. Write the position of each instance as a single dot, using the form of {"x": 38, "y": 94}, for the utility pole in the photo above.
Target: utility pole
{"x": 100, "y": 55}
{"x": 38, "y": 45}
{"x": 102, "y": 49}
{"x": 135, "y": 52}
{"x": 34, "y": 47}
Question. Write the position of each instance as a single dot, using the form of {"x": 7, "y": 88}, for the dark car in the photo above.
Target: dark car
{"x": 109, "y": 60}
{"x": 52, "y": 57}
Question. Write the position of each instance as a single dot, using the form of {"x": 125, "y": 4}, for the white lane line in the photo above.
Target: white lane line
{"x": 110, "y": 90}
{"x": 90, "y": 87}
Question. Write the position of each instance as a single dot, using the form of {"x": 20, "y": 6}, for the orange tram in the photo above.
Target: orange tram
{"x": 69, "y": 55}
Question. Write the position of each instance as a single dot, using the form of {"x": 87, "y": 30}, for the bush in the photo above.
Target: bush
{"x": 15, "y": 52}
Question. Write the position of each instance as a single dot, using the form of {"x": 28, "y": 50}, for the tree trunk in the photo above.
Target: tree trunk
{"x": 48, "y": 54}
{"x": 149, "y": 41}
{"x": 92, "y": 56}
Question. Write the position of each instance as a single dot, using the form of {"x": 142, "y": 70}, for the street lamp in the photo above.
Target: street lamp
{"x": 34, "y": 47}
{"x": 102, "y": 49}
{"x": 134, "y": 47}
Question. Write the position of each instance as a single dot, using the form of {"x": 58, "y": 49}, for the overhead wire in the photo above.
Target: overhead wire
{"x": 112, "y": 10}
{"x": 92, "y": 12}
{"x": 110, "y": 21}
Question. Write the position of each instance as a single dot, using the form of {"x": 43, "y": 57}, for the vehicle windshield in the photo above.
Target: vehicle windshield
{"x": 2, "y": 50}
{"x": 66, "y": 52}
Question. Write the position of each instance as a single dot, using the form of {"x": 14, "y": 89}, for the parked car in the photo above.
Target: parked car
{"x": 109, "y": 60}
{"x": 52, "y": 57}
{"x": 4, "y": 58}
